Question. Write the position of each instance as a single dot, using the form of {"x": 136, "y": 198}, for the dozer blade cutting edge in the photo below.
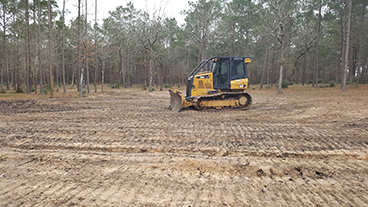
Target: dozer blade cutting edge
{"x": 176, "y": 100}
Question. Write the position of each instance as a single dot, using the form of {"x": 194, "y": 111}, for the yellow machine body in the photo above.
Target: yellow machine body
{"x": 202, "y": 83}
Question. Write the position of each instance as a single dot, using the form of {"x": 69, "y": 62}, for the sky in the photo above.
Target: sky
{"x": 172, "y": 8}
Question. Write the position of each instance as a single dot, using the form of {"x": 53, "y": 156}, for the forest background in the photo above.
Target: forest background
{"x": 316, "y": 42}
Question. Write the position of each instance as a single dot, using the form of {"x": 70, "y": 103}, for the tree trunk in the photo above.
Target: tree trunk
{"x": 150, "y": 74}
{"x": 34, "y": 73}
{"x": 233, "y": 38}
{"x": 110, "y": 71}
{"x": 39, "y": 46}
{"x": 57, "y": 74}
{"x": 337, "y": 70}
{"x": 360, "y": 58}
{"x": 287, "y": 51}
{"x": 5, "y": 49}
{"x": 86, "y": 42}
{"x": 5, "y": 53}
{"x": 347, "y": 48}
{"x": 123, "y": 72}
{"x": 304, "y": 68}
{"x": 50, "y": 61}
{"x": 71, "y": 87}
{"x": 14, "y": 72}
{"x": 281, "y": 71}
{"x": 342, "y": 15}
{"x": 34, "y": 79}
{"x": 317, "y": 47}
{"x": 102, "y": 74}
{"x": 28, "y": 66}
{"x": 129, "y": 70}
{"x": 95, "y": 79}
{"x": 63, "y": 42}
{"x": 79, "y": 77}
{"x": 282, "y": 58}
{"x": 264, "y": 67}
{"x": 120, "y": 66}
{"x": 270, "y": 55}
{"x": 7, "y": 71}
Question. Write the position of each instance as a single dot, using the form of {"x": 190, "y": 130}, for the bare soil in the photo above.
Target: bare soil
{"x": 306, "y": 147}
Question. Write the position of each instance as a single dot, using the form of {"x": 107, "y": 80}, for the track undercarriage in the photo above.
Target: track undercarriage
{"x": 218, "y": 100}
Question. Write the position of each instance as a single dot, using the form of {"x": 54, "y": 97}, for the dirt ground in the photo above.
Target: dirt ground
{"x": 305, "y": 147}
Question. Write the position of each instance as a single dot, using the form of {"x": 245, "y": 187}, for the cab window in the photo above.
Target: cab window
{"x": 237, "y": 69}
{"x": 220, "y": 74}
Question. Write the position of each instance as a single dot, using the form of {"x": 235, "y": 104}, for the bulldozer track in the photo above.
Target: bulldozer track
{"x": 218, "y": 96}
{"x": 118, "y": 149}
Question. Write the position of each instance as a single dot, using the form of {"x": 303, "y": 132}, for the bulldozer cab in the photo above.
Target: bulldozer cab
{"x": 217, "y": 73}
{"x": 227, "y": 69}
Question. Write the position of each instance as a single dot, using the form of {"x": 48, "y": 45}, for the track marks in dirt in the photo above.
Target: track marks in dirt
{"x": 117, "y": 149}
{"x": 120, "y": 179}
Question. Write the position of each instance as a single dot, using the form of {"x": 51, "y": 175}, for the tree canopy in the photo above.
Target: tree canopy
{"x": 289, "y": 41}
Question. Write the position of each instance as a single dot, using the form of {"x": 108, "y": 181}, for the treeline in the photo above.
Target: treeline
{"x": 316, "y": 42}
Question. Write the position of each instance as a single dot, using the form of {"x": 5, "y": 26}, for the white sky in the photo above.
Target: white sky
{"x": 172, "y": 8}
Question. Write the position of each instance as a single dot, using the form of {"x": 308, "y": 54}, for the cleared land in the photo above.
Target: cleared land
{"x": 305, "y": 147}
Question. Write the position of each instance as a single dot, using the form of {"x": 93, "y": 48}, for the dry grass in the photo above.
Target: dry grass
{"x": 308, "y": 90}
{"x": 58, "y": 93}
{"x": 292, "y": 90}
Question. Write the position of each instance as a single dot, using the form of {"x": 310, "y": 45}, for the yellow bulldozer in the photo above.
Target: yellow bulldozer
{"x": 217, "y": 82}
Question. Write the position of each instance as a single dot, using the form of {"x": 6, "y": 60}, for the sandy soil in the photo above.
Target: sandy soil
{"x": 124, "y": 148}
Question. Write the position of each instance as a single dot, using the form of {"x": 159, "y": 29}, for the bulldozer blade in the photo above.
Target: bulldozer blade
{"x": 176, "y": 101}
